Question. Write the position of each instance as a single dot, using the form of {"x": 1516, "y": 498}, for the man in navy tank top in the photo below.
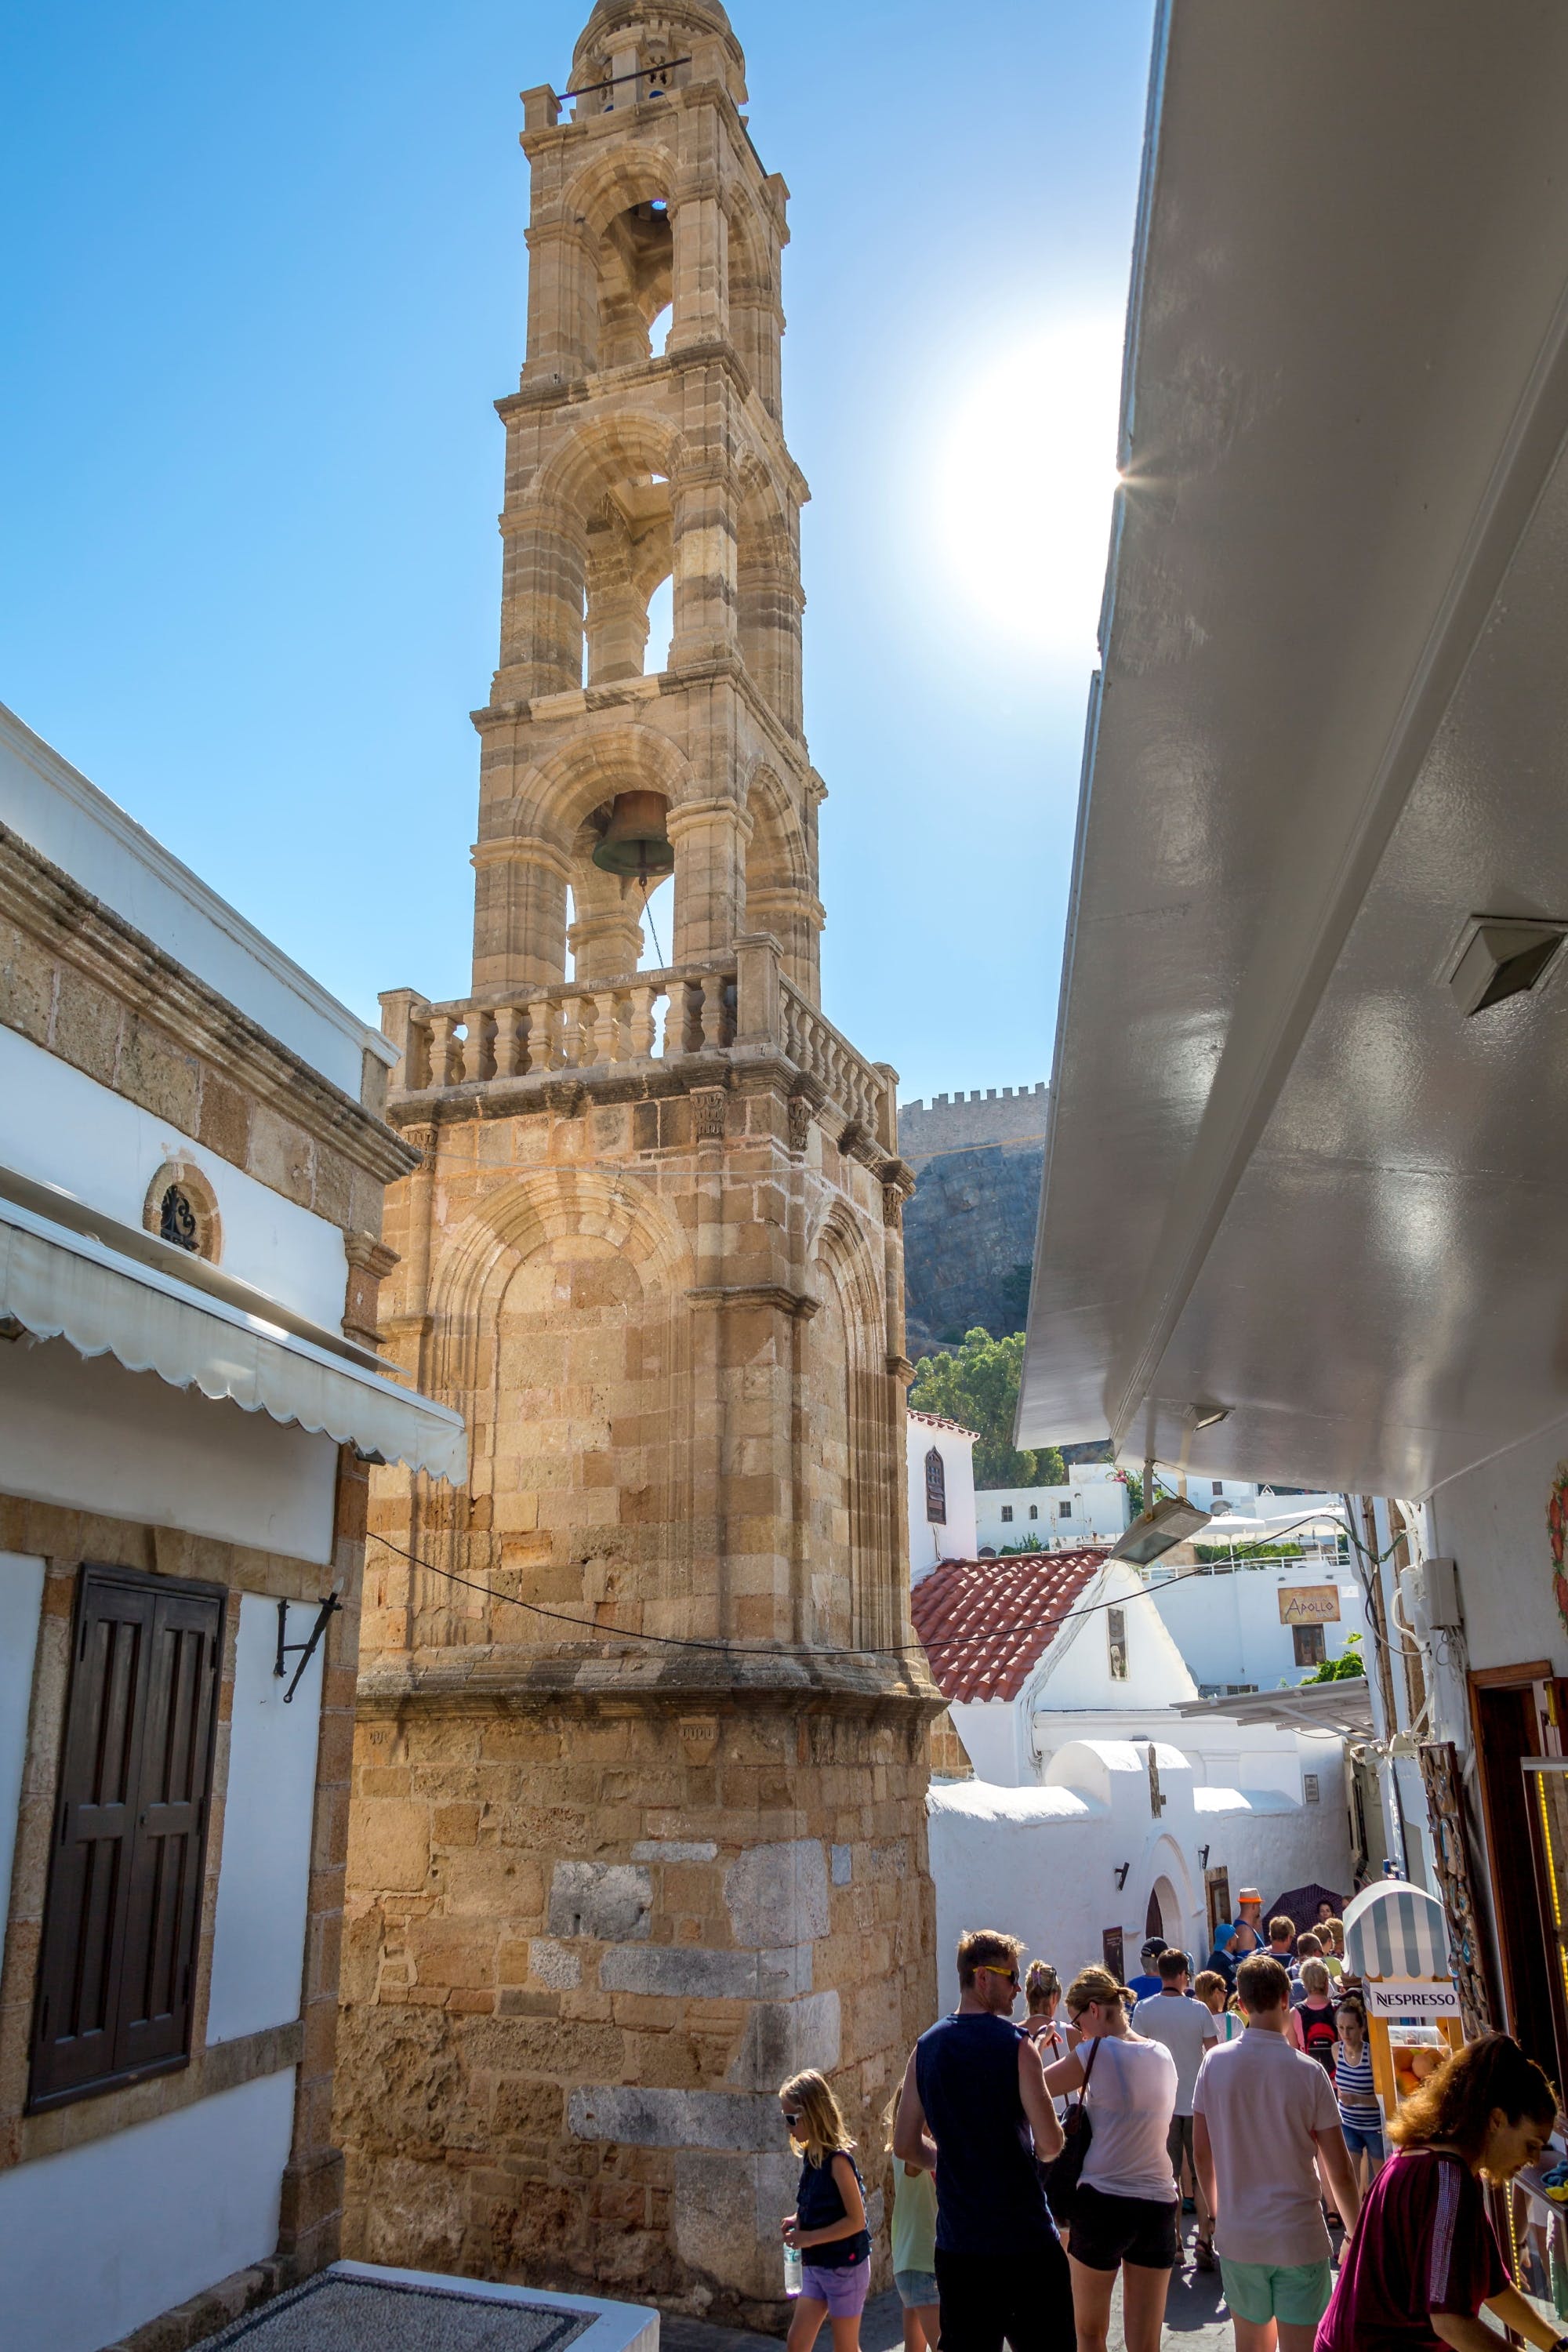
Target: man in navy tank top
{"x": 974, "y": 2106}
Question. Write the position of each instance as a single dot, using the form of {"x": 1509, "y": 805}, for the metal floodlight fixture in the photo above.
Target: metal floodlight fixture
{"x": 1502, "y": 956}
{"x": 1203, "y": 1857}
{"x": 1170, "y": 1522}
{"x": 1121, "y": 1869}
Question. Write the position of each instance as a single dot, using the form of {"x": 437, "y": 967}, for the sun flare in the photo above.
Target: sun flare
{"x": 1025, "y": 482}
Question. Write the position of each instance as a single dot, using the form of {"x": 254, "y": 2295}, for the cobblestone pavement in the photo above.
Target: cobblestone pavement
{"x": 1194, "y": 2322}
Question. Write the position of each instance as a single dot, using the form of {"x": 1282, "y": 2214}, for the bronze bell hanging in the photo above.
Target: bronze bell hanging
{"x": 635, "y": 842}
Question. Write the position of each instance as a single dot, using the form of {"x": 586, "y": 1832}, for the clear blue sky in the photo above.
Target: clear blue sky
{"x": 264, "y": 277}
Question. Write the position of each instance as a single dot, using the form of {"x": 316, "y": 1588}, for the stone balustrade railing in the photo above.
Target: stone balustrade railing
{"x": 817, "y": 1047}
{"x": 652, "y": 1015}
{"x": 739, "y": 1008}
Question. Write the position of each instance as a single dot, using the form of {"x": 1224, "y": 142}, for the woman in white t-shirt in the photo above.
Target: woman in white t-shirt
{"x": 1126, "y": 2214}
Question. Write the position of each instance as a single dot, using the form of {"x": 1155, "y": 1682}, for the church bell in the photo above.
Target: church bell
{"x": 635, "y": 842}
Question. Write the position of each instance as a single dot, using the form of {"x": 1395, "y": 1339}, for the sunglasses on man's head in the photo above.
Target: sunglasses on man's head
{"x": 1008, "y": 1976}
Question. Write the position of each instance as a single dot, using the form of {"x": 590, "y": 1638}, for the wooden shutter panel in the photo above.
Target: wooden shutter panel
{"x": 169, "y": 1839}
{"x": 122, "y": 1914}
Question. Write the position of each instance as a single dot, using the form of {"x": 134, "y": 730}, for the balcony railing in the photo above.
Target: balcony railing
{"x": 644, "y": 1022}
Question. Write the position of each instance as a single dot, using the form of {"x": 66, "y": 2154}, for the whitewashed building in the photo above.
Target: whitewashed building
{"x": 191, "y": 1164}
{"x": 1262, "y": 1623}
{"x": 1090, "y": 1509}
{"x": 1095, "y": 1812}
{"x": 939, "y": 1461}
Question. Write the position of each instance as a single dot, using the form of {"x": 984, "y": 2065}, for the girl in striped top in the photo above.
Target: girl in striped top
{"x": 1361, "y": 2117}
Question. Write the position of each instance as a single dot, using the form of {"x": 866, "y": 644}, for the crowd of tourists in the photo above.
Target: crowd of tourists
{"x": 1035, "y": 2162}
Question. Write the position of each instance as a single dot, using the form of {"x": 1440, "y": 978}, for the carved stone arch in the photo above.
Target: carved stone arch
{"x": 768, "y": 591}
{"x": 855, "y": 1563}
{"x": 777, "y": 858}
{"x": 610, "y": 184}
{"x": 622, "y": 199}
{"x": 753, "y": 295}
{"x": 605, "y": 453}
{"x": 781, "y": 877}
{"x": 562, "y": 790}
{"x": 587, "y": 1267}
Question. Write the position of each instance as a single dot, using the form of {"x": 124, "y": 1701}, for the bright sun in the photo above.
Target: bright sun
{"x": 1025, "y": 487}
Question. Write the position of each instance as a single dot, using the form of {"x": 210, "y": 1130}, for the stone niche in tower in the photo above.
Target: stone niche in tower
{"x": 638, "y": 1820}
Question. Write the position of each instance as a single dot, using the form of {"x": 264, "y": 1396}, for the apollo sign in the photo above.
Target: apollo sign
{"x": 1309, "y": 1604}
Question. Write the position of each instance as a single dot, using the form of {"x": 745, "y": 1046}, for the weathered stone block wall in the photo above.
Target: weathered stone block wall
{"x": 1016, "y": 1115}
{"x": 601, "y": 1936}
{"x": 968, "y": 1231}
{"x": 612, "y": 1878}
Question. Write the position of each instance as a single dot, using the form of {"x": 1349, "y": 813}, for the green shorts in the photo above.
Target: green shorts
{"x": 1297, "y": 2292}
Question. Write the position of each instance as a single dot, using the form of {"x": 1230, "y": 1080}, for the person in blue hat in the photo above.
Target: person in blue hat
{"x": 1224, "y": 1960}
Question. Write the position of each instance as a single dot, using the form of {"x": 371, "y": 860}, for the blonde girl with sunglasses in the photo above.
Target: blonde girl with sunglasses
{"x": 828, "y": 2223}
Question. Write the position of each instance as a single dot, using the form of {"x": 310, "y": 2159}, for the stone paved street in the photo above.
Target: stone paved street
{"x": 1194, "y": 2322}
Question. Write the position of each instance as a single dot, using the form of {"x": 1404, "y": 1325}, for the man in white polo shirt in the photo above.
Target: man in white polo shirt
{"x": 1263, "y": 2115}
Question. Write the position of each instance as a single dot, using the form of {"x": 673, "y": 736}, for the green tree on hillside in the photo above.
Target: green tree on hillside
{"x": 977, "y": 1384}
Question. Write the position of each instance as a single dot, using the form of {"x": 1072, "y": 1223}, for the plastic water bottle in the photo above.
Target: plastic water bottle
{"x": 795, "y": 2270}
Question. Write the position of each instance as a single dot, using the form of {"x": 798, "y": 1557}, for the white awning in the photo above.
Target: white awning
{"x": 1343, "y": 1707}
{"x": 60, "y": 1284}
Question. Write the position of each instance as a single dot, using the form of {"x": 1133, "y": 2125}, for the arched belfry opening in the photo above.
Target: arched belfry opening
{"x": 636, "y": 274}
{"x": 641, "y": 1742}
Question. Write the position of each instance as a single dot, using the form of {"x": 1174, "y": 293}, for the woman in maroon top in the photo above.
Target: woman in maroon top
{"x": 1425, "y": 2260}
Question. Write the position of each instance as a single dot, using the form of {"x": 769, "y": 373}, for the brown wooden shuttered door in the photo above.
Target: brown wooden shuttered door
{"x": 122, "y": 1917}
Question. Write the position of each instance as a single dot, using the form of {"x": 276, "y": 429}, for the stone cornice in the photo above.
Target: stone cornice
{"x": 69, "y": 922}
{"x": 609, "y": 384}
{"x": 561, "y": 1091}
{"x": 625, "y": 694}
{"x": 512, "y": 1681}
{"x": 798, "y": 1304}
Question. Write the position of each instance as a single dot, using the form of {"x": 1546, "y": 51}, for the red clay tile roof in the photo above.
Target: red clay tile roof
{"x": 985, "y": 1622}
{"x": 935, "y": 1421}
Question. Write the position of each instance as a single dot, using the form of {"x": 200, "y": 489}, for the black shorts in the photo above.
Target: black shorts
{"x": 1108, "y": 2230}
{"x": 1022, "y": 2298}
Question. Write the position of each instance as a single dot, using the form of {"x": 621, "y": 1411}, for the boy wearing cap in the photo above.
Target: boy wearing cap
{"x": 1148, "y": 1984}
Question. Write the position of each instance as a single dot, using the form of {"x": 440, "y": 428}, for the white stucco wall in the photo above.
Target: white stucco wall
{"x": 92, "y": 1437}
{"x": 21, "y": 1598}
{"x": 1227, "y": 1628}
{"x": 1075, "y": 1670}
{"x": 931, "y": 1544}
{"x": 264, "y": 1876}
{"x": 55, "y": 809}
{"x": 994, "y": 1733}
{"x": 1042, "y": 1861}
{"x": 1493, "y": 1523}
{"x": 98, "y": 2239}
{"x": 1096, "y": 1506}
{"x": 60, "y": 1126}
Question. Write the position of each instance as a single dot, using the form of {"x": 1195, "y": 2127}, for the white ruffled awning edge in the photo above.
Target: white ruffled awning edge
{"x": 63, "y": 1286}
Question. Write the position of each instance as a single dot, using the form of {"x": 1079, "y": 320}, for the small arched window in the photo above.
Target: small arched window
{"x": 936, "y": 1489}
{"x": 1034, "y": 1510}
{"x": 181, "y": 1208}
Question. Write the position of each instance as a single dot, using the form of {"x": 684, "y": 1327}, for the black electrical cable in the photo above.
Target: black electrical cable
{"x": 784, "y": 1650}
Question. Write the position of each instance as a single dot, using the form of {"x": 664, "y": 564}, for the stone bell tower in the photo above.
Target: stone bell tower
{"x": 638, "y": 1824}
